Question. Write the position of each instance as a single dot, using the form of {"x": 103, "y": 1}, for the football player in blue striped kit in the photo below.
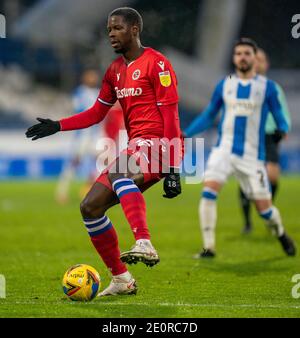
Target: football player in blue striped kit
{"x": 245, "y": 100}
{"x": 273, "y": 139}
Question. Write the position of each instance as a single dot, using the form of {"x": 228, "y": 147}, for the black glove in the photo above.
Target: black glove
{"x": 278, "y": 136}
{"x": 172, "y": 186}
{"x": 45, "y": 128}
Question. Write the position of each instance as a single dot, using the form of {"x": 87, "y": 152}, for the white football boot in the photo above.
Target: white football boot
{"x": 120, "y": 286}
{"x": 143, "y": 251}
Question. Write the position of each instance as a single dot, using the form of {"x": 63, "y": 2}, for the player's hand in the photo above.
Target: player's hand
{"x": 172, "y": 186}
{"x": 45, "y": 128}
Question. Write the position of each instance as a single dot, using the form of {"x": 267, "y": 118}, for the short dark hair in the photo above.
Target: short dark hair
{"x": 248, "y": 42}
{"x": 130, "y": 15}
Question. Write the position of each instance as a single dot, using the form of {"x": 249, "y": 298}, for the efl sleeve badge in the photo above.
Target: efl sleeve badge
{"x": 165, "y": 78}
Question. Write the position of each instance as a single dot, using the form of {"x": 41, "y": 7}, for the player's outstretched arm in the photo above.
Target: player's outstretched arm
{"x": 206, "y": 119}
{"x": 45, "y": 127}
{"x": 202, "y": 122}
{"x": 87, "y": 118}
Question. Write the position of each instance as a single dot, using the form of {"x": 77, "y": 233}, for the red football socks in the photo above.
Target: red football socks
{"x": 105, "y": 241}
{"x": 134, "y": 206}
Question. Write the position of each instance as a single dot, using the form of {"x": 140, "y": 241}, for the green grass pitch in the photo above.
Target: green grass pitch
{"x": 250, "y": 277}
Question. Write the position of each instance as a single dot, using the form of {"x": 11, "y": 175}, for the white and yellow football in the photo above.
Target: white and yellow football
{"x": 81, "y": 282}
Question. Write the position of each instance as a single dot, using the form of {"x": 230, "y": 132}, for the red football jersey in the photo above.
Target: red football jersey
{"x": 113, "y": 121}
{"x": 141, "y": 86}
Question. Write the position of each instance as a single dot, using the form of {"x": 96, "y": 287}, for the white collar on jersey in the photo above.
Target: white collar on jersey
{"x": 130, "y": 63}
{"x": 245, "y": 82}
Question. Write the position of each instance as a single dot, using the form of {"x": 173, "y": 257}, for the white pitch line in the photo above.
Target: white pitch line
{"x": 98, "y": 302}
{"x": 209, "y": 305}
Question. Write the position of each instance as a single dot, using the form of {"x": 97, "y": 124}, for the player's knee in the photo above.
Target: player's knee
{"x": 91, "y": 209}
{"x": 86, "y": 208}
{"x": 267, "y": 214}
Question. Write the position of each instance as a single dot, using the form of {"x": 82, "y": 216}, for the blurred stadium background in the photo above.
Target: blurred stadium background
{"x": 49, "y": 42}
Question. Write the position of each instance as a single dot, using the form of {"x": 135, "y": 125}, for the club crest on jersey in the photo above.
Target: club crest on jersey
{"x": 165, "y": 78}
{"x": 136, "y": 74}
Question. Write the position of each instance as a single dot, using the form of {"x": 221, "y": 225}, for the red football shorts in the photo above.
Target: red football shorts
{"x": 151, "y": 157}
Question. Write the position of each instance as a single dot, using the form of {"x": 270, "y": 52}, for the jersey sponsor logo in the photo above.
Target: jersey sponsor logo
{"x": 165, "y": 78}
{"x": 136, "y": 74}
{"x": 241, "y": 107}
{"x": 125, "y": 92}
{"x": 161, "y": 65}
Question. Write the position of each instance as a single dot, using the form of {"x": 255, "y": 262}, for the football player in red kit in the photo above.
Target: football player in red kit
{"x": 143, "y": 81}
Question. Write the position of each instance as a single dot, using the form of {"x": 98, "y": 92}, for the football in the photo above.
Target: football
{"x": 81, "y": 282}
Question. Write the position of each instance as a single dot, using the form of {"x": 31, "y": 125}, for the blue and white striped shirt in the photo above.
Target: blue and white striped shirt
{"x": 245, "y": 105}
